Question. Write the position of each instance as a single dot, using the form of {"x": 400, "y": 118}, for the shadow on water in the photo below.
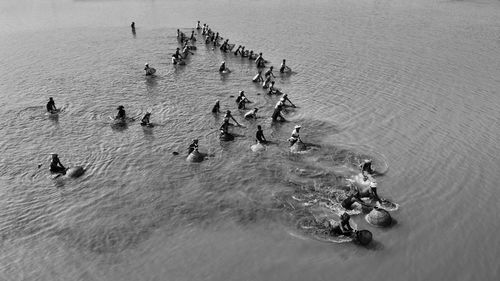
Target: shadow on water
{"x": 148, "y": 133}
{"x": 151, "y": 82}
{"x": 119, "y": 126}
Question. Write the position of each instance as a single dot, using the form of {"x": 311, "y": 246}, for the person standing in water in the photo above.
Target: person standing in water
{"x": 224, "y": 128}
{"x": 259, "y": 60}
{"x": 222, "y": 67}
{"x": 354, "y": 196}
{"x": 51, "y": 106}
{"x": 241, "y": 95}
{"x": 56, "y": 166}
{"x": 121, "y": 113}
{"x": 272, "y": 90}
{"x": 198, "y": 26}
{"x": 295, "y": 135}
{"x": 237, "y": 50}
{"x": 132, "y": 25}
{"x": 285, "y": 98}
{"x": 242, "y": 103}
{"x": 149, "y": 71}
{"x": 178, "y": 53}
{"x": 242, "y": 100}
{"x": 145, "y": 119}
{"x": 284, "y": 67}
{"x": 258, "y": 77}
{"x": 228, "y": 116}
{"x": 252, "y": 114}
{"x": 269, "y": 73}
{"x": 216, "y": 108}
{"x": 277, "y": 112}
{"x": 373, "y": 191}
{"x": 259, "y": 135}
{"x": 366, "y": 167}
{"x": 225, "y": 46}
{"x": 344, "y": 227}
{"x": 267, "y": 82}
{"x": 193, "y": 146}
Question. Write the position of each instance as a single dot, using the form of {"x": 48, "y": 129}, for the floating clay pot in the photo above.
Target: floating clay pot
{"x": 379, "y": 217}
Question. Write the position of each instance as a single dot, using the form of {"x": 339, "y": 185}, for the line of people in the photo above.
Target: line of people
{"x": 241, "y": 101}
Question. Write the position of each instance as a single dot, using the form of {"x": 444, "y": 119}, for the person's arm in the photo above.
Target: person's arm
{"x": 361, "y": 202}
{"x": 346, "y": 227}
{"x": 235, "y": 120}
{"x": 60, "y": 164}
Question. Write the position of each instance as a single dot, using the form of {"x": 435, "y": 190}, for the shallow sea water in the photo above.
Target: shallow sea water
{"x": 411, "y": 84}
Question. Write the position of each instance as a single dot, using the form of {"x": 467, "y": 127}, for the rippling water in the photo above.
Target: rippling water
{"x": 411, "y": 84}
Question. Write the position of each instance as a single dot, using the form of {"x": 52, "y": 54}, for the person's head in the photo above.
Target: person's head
{"x": 223, "y": 63}
{"x": 271, "y": 68}
{"x": 242, "y": 93}
{"x": 272, "y": 82}
{"x": 259, "y": 127}
{"x": 260, "y": 54}
{"x": 368, "y": 160}
{"x": 178, "y": 49}
{"x": 345, "y": 217}
{"x": 50, "y": 99}
{"x": 251, "y": 52}
{"x": 146, "y": 64}
{"x": 284, "y": 96}
{"x": 195, "y": 140}
{"x": 198, "y": 21}
{"x": 373, "y": 184}
{"x": 284, "y": 60}
{"x": 297, "y": 127}
{"x": 255, "y": 109}
{"x": 120, "y": 107}
{"x": 147, "y": 114}
{"x": 217, "y": 102}
{"x": 228, "y": 112}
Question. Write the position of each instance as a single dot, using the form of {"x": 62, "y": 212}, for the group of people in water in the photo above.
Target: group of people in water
{"x": 268, "y": 83}
{"x": 214, "y": 39}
